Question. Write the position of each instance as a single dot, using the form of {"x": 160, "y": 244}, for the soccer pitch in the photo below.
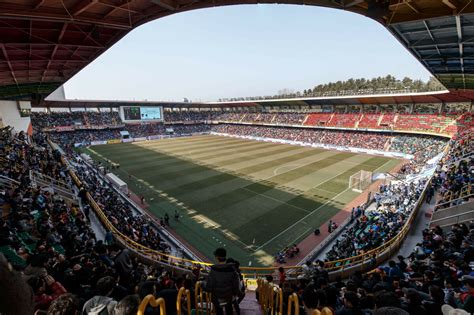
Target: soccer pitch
{"x": 252, "y": 197}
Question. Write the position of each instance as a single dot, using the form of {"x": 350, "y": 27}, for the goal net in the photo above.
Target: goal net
{"x": 360, "y": 180}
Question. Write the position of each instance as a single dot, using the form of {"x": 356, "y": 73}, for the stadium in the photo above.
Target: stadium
{"x": 349, "y": 198}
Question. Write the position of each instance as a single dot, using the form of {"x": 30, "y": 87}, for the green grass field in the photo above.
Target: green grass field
{"x": 252, "y": 197}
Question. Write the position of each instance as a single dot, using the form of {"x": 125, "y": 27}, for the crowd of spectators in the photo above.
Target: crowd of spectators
{"x": 56, "y": 263}
{"x": 435, "y": 279}
{"x": 135, "y": 226}
{"x": 422, "y": 147}
{"x": 195, "y": 116}
{"x": 374, "y": 227}
{"x": 85, "y": 137}
{"x": 454, "y": 175}
{"x": 42, "y": 120}
{"x": 290, "y": 118}
{"x": 145, "y": 129}
{"x": 102, "y": 118}
{"x": 51, "y": 260}
{"x": 227, "y": 116}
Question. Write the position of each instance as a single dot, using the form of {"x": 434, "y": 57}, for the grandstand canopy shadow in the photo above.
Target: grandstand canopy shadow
{"x": 46, "y": 42}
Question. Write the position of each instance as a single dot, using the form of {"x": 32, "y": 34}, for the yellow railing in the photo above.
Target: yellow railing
{"x": 270, "y": 297}
{"x": 203, "y": 301}
{"x": 450, "y": 196}
{"x": 250, "y": 272}
{"x": 184, "y": 296}
{"x": 150, "y": 299}
{"x": 293, "y": 304}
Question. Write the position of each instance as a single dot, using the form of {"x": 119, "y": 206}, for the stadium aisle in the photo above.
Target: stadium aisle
{"x": 414, "y": 236}
{"x": 250, "y": 306}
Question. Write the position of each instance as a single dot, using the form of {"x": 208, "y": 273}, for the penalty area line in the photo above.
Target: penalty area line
{"x": 300, "y": 220}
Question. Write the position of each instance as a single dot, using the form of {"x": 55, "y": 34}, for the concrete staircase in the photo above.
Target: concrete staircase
{"x": 250, "y": 306}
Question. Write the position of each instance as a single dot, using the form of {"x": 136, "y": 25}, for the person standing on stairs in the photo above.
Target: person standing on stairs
{"x": 223, "y": 283}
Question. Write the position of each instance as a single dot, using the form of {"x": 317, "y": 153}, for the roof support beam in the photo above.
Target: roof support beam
{"x": 38, "y": 4}
{"x": 7, "y": 59}
{"x": 125, "y": 6}
{"x": 453, "y": 42}
{"x": 166, "y": 4}
{"x": 60, "y": 37}
{"x": 431, "y": 36}
{"x": 461, "y": 47}
{"x": 408, "y": 3}
{"x": 352, "y": 3}
{"x": 444, "y": 29}
{"x": 53, "y": 44}
{"x": 53, "y": 17}
{"x": 82, "y": 6}
{"x": 451, "y": 3}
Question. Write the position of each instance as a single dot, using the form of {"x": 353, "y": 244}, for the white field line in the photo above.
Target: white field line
{"x": 381, "y": 166}
{"x": 257, "y": 180}
{"x": 190, "y": 211}
{"x": 293, "y": 241}
{"x": 283, "y": 202}
{"x": 302, "y": 219}
{"x": 331, "y": 178}
{"x": 327, "y": 191}
{"x": 305, "y": 210}
{"x": 277, "y": 200}
{"x": 303, "y": 165}
{"x": 314, "y": 209}
{"x": 275, "y": 171}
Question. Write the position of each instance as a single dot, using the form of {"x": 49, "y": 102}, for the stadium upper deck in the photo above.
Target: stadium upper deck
{"x": 438, "y": 97}
{"x": 46, "y": 42}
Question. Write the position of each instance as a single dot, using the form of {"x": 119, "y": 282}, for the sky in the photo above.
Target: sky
{"x": 245, "y": 50}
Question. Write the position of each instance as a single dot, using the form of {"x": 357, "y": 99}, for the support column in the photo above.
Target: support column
{"x": 10, "y": 114}
{"x": 441, "y": 107}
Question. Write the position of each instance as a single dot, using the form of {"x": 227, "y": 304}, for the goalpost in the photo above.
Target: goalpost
{"x": 360, "y": 180}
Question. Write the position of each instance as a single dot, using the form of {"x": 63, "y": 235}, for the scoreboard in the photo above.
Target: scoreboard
{"x": 141, "y": 113}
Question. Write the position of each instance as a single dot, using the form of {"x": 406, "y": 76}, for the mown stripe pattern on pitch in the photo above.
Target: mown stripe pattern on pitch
{"x": 267, "y": 195}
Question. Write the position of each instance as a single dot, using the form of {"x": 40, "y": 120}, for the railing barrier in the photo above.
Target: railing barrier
{"x": 150, "y": 299}
{"x": 202, "y": 300}
{"x": 183, "y": 296}
{"x": 293, "y": 303}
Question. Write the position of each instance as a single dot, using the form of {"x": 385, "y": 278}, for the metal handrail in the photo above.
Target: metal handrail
{"x": 202, "y": 300}
{"x": 293, "y": 302}
{"x": 150, "y": 299}
{"x": 437, "y": 206}
{"x": 183, "y": 293}
{"x": 452, "y": 216}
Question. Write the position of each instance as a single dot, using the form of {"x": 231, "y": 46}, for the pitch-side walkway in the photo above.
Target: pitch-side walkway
{"x": 145, "y": 207}
{"x": 414, "y": 236}
{"x": 312, "y": 241}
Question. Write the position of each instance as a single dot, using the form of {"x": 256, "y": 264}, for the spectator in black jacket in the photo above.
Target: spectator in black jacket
{"x": 222, "y": 283}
